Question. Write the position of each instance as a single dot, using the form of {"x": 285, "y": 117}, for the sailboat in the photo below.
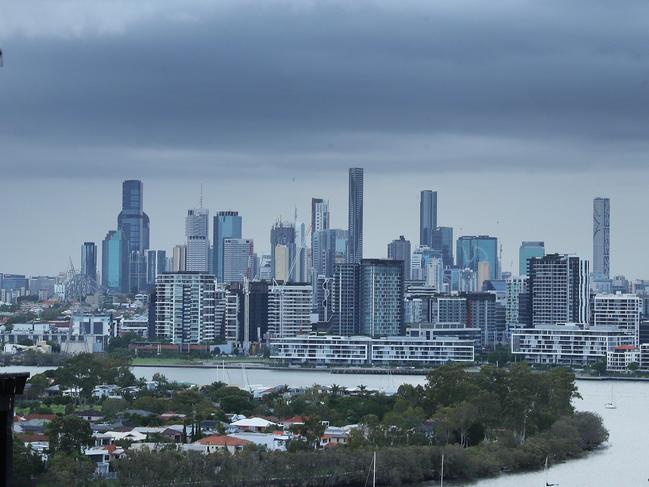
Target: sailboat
{"x": 611, "y": 403}
{"x": 547, "y": 482}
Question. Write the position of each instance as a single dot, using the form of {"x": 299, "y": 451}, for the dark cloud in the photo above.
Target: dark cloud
{"x": 294, "y": 85}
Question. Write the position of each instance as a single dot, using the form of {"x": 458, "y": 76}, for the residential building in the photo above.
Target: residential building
{"x": 559, "y": 290}
{"x": 355, "y": 216}
{"x": 621, "y": 311}
{"x": 179, "y": 259}
{"x": 514, "y": 319}
{"x": 381, "y": 297}
{"x": 185, "y": 307}
{"x": 427, "y": 217}
{"x": 346, "y": 299}
{"x": 319, "y": 216}
{"x": 601, "y": 236}
{"x": 289, "y": 309}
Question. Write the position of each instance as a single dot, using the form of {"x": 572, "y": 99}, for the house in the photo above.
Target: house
{"x": 294, "y": 421}
{"x": 105, "y": 390}
{"x": 276, "y": 441}
{"x": 253, "y": 424}
{"x": 102, "y": 457}
{"x": 214, "y": 443}
{"x": 336, "y": 435}
{"x": 90, "y": 415}
{"x": 39, "y": 443}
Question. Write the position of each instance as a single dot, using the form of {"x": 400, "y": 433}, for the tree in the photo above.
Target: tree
{"x": 27, "y": 465}
{"x": 69, "y": 470}
{"x": 69, "y": 434}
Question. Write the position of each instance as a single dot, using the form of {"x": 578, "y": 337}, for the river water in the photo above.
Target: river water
{"x": 622, "y": 462}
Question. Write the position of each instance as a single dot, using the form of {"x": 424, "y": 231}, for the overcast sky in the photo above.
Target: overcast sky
{"x": 517, "y": 112}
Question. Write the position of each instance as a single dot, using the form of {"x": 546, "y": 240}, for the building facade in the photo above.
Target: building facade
{"x": 289, "y": 310}
{"x": 381, "y": 297}
{"x": 227, "y": 224}
{"x": 198, "y": 244}
{"x": 399, "y": 249}
{"x": 89, "y": 260}
{"x": 601, "y": 236}
{"x": 239, "y": 260}
{"x": 480, "y": 254}
{"x": 355, "y": 215}
{"x": 114, "y": 264}
{"x": 526, "y": 251}
{"x": 134, "y": 225}
{"x": 427, "y": 217}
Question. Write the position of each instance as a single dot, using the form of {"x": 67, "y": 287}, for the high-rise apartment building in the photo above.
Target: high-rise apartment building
{"x": 345, "y": 296}
{"x": 601, "y": 237}
{"x": 89, "y": 260}
{"x": 289, "y": 310}
{"x": 399, "y": 249}
{"x": 621, "y": 311}
{"x": 114, "y": 264}
{"x": 559, "y": 290}
{"x": 514, "y": 312}
{"x": 238, "y": 260}
{"x": 179, "y": 259}
{"x": 381, "y": 297}
{"x": 319, "y": 216}
{"x": 427, "y": 217}
{"x": 472, "y": 251}
{"x": 227, "y": 224}
{"x": 134, "y": 225}
{"x": 185, "y": 307}
{"x": 198, "y": 244}
{"x": 355, "y": 215}
{"x": 526, "y": 251}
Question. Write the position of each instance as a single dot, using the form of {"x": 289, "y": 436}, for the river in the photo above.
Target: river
{"x": 622, "y": 462}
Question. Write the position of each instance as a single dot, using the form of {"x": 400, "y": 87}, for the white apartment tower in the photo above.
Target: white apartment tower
{"x": 289, "y": 310}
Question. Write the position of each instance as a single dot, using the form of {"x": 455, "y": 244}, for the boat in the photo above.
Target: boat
{"x": 611, "y": 402}
{"x": 547, "y": 482}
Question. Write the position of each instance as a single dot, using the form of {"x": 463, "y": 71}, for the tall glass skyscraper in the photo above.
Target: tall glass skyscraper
{"x": 427, "y": 217}
{"x": 114, "y": 264}
{"x": 355, "y": 215}
{"x": 134, "y": 225}
{"x": 601, "y": 237}
{"x": 526, "y": 252}
{"x": 227, "y": 224}
{"x": 89, "y": 260}
{"x": 399, "y": 249}
{"x": 198, "y": 244}
{"x": 480, "y": 254}
{"x": 443, "y": 242}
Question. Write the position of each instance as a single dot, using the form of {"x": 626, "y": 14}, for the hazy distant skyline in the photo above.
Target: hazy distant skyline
{"x": 517, "y": 113}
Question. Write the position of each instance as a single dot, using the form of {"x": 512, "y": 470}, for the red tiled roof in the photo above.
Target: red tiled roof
{"x": 49, "y": 417}
{"x": 221, "y": 440}
{"x": 30, "y": 438}
{"x": 294, "y": 420}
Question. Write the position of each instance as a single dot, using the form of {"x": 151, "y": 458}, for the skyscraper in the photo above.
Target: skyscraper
{"x": 559, "y": 290}
{"x": 179, "y": 259}
{"x": 355, "y": 215}
{"x": 185, "y": 307}
{"x": 427, "y": 217}
{"x": 442, "y": 240}
{"x": 289, "y": 310}
{"x": 114, "y": 264}
{"x": 601, "y": 237}
{"x": 89, "y": 260}
{"x": 238, "y": 260}
{"x": 198, "y": 244}
{"x": 227, "y": 224}
{"x": 526, "y": 251}
{"x": 329, "y": 249}
{"x": 319, "y": 216}
{"x": 282, "y": 251}
{"x": 156, "y": 263}
{"x": 400, "y": 250}
{"x": 381, "y": 297}
{"x": 472, "y": 251}
{"x": 346, "y": 299}
{"x": 134, "y": 225}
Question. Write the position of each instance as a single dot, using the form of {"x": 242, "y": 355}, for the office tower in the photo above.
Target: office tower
{"x": 526, "y": 251}
{"x": 559, "y": 290}
{"x": 345, "y": 300}
{"x": 601, "y": 236}
{"x": 238, "y": 260}
{"x": 282, "y": 250}
{"x": 179, "y": 259}
{"x": 381, "y": 297}
{"x": 442, "y": 241}
{"x": 427, "y": 217}
{"x": 114, "y": 264}
{"x": 197, "y": 244}
{"x": 355, "y": 215}
{"x": 621, "y": 311}
{"x": 400, "y": 250}
{"x": 185, "y": 307}
{"x": 472, "y": 250}
{"x": 134, "y": 225}
{"x": 265, "y": 268}
{"x": 435, "y": 274}
{"x": 301, "y": 273}
{"x": 42, "y": 286}
{"x": 419, "y": 262}
{"x": 289, "y": 310}
{"x": 156, "y": 263}
{"x": 89, "y": 260}
{"x": 227, "y": 224}
{"x": 319, "y": 216}
{"x": 514, "y": 309}
{"x": 329, "y": 248}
